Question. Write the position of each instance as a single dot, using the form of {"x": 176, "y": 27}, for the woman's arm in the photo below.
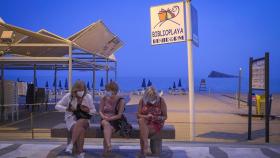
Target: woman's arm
{"x": 63, "y": 104}
{"x": 89, "y": 108}
{"x": 101, "y": 108}
{"x": 164, "y": 109}
{"x": 139, "y": 115}
{"x": 120, "y": 110}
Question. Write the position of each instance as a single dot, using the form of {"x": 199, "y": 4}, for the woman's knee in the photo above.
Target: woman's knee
{"x": 105, "y": 123}
{"x": 142, "y": 121}
{"x": 152, "y": 130}
{"x": 82, "y": 121}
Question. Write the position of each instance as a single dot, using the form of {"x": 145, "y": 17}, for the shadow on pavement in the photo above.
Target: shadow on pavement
{"x": 233, "y": 136}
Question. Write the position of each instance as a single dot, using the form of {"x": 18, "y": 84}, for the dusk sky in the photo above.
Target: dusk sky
{"x": 230, "y": 31}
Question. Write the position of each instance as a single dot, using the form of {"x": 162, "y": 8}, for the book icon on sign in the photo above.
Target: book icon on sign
{"x": 167, "y": 15}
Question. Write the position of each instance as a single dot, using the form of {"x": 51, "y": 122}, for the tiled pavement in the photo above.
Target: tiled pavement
{"x": 48, "y": 149}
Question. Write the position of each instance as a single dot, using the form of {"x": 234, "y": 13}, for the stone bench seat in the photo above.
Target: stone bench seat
{"x": 94, "y": 131}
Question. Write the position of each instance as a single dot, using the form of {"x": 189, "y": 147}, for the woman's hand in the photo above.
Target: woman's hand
{"x": 159, "y": 118}
{"x": 84, "y": 108}
{"x": 70, "y": 109}
{"x": 106, "y": 118}
{"x": 149, "y": 116}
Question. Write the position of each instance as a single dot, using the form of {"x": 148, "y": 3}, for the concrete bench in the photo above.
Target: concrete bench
{"x": 94, "y": 131}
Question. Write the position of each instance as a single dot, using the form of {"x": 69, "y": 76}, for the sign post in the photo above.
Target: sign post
{"x": 190, "y": 69}
{"x": 259, "y": 82}
{"x": 168, "y": 26}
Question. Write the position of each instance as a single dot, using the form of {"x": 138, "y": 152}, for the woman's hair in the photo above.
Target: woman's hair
{"x": 78, "y": 85}
{"x": 150, "y": 94}
{"x": 112, "y": 86}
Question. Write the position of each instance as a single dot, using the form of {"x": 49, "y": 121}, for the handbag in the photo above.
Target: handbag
{"x": 125, "y": 128}
{"x": 79, "y": 113}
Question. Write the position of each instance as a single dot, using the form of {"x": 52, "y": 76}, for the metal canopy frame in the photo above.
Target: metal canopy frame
{"x": 82, "y": 61}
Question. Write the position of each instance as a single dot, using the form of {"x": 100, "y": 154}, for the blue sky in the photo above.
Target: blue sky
{"x": 230, "y": 32}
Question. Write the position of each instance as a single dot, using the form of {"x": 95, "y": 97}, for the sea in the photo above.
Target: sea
{"x": 127, "y": 84}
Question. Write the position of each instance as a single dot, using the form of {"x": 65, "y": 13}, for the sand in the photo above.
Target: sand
{"x": 217, "y": 119}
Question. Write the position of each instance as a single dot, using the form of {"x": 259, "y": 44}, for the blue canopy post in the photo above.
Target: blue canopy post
{"x": 216, "y": 74}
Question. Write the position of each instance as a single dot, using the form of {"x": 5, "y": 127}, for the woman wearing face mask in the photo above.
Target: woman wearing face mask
{"x": 78, "y": 98}
{"x": 110, "y": 113}
{"x": 152, "y": 113}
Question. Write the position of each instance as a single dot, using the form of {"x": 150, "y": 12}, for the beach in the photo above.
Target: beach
{"x": 217, "y": 119}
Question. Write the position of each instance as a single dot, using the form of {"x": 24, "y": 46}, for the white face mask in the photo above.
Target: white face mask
{"x": 80, "y": 93}
{"x": 153, "y": 101}
{"x": 108, "y": 93}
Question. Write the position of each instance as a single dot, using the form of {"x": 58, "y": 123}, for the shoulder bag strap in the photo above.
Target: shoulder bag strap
{"x": 117, "y": 105}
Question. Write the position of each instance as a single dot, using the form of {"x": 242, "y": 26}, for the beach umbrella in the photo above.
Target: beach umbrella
{"x": 179, "y": 84}
{"x": 174, "y": 85}
{"x": 88, "y": 87}
{"x": 144, "y": 83}
{"x": 66, "y": 84}
{"x": 149, "y": 83}
{"x": 60, "y": 85}
{"x": 18, "y": 79}
{"x": 54, "y": 83}
{"x": 101, "y": 82}
{"x": 47, "y": 84}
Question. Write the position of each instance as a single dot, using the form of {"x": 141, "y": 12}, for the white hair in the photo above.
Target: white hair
{"x": 150, "y": 94}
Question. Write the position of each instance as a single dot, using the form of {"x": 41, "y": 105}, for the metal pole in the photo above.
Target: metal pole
{"x": 239, "y": 86}
{"x": 2, "y": 91}
{"x": 250, "y": 100}
{"x": 93, "y": 77}
{"x": 107, "y": 72}
{"x": 267, "y": 97}
{"x": 70, "y": 68}
{"x": 55, "y": 84}
{"x": 116, "y": 71}
{"x": 31, "y": 124}
{"x": 35, "y": 85}
{"x": 190, "y": 70}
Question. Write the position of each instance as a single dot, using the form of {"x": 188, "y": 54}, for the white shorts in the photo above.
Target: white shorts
{"x": 70, "y": 121}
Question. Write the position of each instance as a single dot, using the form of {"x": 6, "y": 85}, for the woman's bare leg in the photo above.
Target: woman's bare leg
{"x": 144, "y": 134}
{"x": 145, "y": 131}
{"x": 81, "y": 138}
{"x": 77, "y": 129}
{"x": 107, "y": 131}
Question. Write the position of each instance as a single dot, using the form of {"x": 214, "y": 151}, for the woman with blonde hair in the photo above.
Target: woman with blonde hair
{"x": 111, "y": 110}
{"x": 152, "y": 113}
{"x": 78, "y": 107}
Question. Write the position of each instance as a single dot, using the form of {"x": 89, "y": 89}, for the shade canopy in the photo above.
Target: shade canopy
{"x": 94, "y": 39}
{"x": 97, "y": 38}
{"x": 36, "y": 44}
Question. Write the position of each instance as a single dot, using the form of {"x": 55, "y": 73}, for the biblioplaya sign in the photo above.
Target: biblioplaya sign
{"x": 167, "y": 23}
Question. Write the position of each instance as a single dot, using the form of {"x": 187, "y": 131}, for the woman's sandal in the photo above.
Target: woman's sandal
{"x": 107, "y": 149}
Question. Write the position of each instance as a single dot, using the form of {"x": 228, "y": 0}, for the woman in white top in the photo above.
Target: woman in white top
{"x": 68, "y": 104}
